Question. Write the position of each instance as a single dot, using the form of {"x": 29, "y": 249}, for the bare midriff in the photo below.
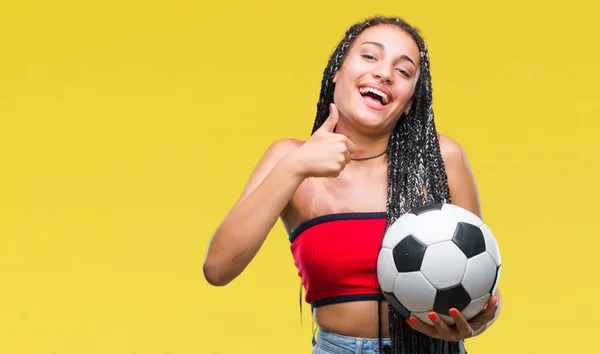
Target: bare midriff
{"x": 354, "y": 319}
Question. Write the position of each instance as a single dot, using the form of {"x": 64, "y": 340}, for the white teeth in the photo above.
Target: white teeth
{"x": 384, "y": 98}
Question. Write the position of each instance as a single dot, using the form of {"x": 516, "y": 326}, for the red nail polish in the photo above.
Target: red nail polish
{"x": 413, "y": 320}
{"x": 453, "y": 312}
{"x": 432, "y": 316}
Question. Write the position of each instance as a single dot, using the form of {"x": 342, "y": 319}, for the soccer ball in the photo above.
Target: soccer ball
{"x": 437, "y": 257}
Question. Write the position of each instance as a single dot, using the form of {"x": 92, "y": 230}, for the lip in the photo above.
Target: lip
{"x": 381, "y": 88}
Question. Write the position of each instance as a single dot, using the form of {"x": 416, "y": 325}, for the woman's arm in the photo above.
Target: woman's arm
{"x": 461, "y": 181}
{"x": 243, "y": 231}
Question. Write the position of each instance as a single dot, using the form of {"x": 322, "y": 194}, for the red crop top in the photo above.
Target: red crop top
{"x": 336, "y": 256}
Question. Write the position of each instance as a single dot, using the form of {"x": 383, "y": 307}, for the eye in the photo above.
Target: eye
{"x": 368, "y": 57}
{"x": 404, "y": 73}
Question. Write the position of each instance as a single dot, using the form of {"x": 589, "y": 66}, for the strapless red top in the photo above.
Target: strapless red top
{"x": 336, "y": 256}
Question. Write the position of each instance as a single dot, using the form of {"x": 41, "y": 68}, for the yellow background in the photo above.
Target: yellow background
{"x": 128, "y": 128}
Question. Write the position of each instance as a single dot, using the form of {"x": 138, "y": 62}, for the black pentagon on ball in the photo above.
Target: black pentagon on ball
{"x": 454, "y": 297}
{"x": 391, "y": 298}
{"x": 408, "y": 254}
{"x": 469, "y": 238}
{"x": 425, "y": 208}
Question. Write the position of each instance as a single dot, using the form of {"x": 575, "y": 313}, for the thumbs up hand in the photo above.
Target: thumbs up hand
{"x": 326, "y": 153}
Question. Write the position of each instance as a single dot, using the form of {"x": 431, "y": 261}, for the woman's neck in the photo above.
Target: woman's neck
{"x": 367, "y": 145}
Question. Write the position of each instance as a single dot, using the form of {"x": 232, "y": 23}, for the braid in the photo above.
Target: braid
{"x": 416, "y": 174}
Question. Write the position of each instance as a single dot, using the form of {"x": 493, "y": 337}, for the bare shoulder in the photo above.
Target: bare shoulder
{"x": 461, "y": 181}
{"x": 282, "y": 147}
{"x": 271, "y": 157}
{"x": 274, "y": 153}
{"x": 452, "y": 151}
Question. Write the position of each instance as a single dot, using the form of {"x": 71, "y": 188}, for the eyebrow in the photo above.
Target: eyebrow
{"x": 377, "y": 44}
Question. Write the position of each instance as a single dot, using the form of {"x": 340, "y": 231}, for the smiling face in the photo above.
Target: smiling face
{"x": 375, "y": 84}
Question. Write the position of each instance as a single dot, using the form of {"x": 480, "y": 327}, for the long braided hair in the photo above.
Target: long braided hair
{"x": 416, "y": 174}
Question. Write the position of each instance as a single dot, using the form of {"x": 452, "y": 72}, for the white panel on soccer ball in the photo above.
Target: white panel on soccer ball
{"x": 449, "y": 320}
{"x": 386, "y": 270}
{"x": 491, "y": 245}
{"x": 479, "y": 275}
{"x": 414, "y": 291}
{"x": 475, "y": 307}
{"x": 423, "y": 316}
{"x": 462, "y": 215}
{"x": 433, "y": 227}
{"x": 398, "y": 230}
{"x": 497, "y": 280}
{"x": 444, "y": 265}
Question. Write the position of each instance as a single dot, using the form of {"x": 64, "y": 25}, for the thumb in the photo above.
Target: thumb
{"x": 332, "y": 120}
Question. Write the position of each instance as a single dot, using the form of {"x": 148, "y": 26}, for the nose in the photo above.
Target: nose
{"x": 383, "y": 74}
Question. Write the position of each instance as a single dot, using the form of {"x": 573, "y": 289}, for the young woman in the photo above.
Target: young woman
{"x": 374, "y": 154}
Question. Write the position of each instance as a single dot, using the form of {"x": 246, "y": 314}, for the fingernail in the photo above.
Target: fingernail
{"x": 453, "y": 312}
{"x": 330, "y": 108}
{"x": 413, "y": 320}
{"x": 407, "y": 321}
{"x": 432, "y": 316}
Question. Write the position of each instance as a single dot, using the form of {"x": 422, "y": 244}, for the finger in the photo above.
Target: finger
{"x": 351, "y": 147}
{"x": 441, "y": 326}
{"x": 485, "y": 316}
{"x": 494, "y": 301}
{"x": 422, "y": 327}
{"x": 348, "y": 157}
{"x": 490, "y": 309}
{"x": 464, "y": 329}
{"x": 331, "y": 122}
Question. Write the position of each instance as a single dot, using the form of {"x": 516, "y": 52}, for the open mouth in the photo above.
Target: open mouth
{"x": 374, "y": 95}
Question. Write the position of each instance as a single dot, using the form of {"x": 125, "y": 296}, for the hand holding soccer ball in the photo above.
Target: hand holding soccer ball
{"x": 439, "y": 266}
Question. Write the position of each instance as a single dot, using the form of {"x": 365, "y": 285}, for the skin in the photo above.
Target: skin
{"x": 299, "y": 180}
